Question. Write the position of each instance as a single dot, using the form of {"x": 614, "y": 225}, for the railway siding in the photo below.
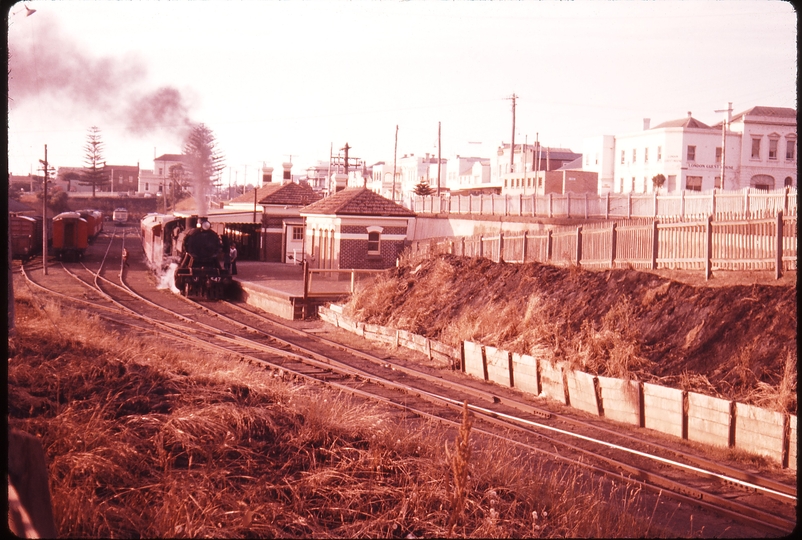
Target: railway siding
{"x": 687, "y": 415}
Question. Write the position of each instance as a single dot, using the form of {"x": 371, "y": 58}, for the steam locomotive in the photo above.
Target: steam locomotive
{"x": 193, "y": 247}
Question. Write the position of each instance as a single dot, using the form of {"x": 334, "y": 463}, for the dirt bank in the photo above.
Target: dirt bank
{"x": 735, "y": 340}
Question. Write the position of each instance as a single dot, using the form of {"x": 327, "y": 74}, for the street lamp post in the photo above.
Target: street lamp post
{"x": 46, "y": 173}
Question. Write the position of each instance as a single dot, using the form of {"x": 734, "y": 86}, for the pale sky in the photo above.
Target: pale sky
{"x": 279, "y": 79}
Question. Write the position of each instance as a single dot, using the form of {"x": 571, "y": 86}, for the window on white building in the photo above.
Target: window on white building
{"x": 693, "y": 183}
{"x": 691, "y": 153}
{"x": 646, "y": 155}
{"x": 659, "y": 153}
{"x": 790, "y": 146}
{"x": 632, "y": 189}
{"x": 773, "y": 149}
{"x": 718, "y": 154}
{"x": 634, "y": 155}
{"x": 597, "y": 158}
{"x": 789, "y": 182}
{"x": 718, "y": 182}
{"x": 623, "y": 156}
{"x": 755, "y": 148}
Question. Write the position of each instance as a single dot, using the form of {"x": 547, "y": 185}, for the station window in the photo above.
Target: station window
{"x": 374, "y": 238}
{"x": 789, "y": 149}
{"x": 718, "y": 154}
{"x": 691, "y": 153}
{"x": 693, "y": 183}
{"x": 297, "y": 233}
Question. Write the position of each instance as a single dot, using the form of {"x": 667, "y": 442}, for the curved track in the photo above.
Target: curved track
{"x": 129, "y": 297}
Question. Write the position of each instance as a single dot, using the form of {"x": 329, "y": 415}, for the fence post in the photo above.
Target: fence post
{"x": 655, "y": 203}
{"x": 523, "y": 249}
{"x": 613, "y": 239}
{"x": 746, "y": 202}
{"x": 709, "y": 247}
{"x": 568, "y": 204}
{"x": 682, "y": 203}
{"x": 586, "y": 205}
{"x": 500, "y": 246}
{"x": 779, "y": 263}
{"x": 579, "y": 246}
{"x": 462, "y": 241}
{"x": 629, "y": 205}
{"x": 655, "y": 245}
{"x": 481, "y": 245}
{"x": 551, "y": 214}
{"x": 520, "y": 204}
{"x": 785, "y": 199}
{"x": 713, "y": 203}
{"x": 534, "y": 204}
{"x": 548, "y": 245}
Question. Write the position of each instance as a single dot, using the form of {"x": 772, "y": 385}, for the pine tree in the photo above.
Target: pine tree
{"x": 95, "y": 171}
{"x": 423, "y": 189}
{"x": 205, "y": 162}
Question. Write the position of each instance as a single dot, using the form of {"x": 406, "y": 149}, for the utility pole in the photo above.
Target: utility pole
{"x": 526, "y": 151}
{"x": 438, "y": 159}
{"x": 536, "y": 162}
{"x": 724, "y": 124}
{"x": 395, "y": 155}
{"x": 44, "y": 213}
{"x": 512, "y": 145}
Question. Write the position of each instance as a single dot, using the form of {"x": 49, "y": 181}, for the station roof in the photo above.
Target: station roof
{"x": 289, "y": 194}
{"x": 357, "y": 202}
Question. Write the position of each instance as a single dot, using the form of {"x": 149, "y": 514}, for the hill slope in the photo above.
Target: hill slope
{"x": 735, "y": 341}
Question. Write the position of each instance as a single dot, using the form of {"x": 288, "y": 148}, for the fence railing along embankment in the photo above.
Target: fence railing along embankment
{"x": 721, "y": 204}
{"x": 672, "y": 243}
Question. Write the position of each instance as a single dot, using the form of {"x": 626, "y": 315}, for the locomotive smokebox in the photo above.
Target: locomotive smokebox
{"x": 192, "y": 221}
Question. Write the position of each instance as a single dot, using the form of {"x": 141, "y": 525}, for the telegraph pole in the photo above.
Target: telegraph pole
{"x": 44, "y": 213}
{"x": 395, "y": 155}
{"x": 724, "y": 124}
{"x": 438, "y": 159}
{"x": 512, "y": 145}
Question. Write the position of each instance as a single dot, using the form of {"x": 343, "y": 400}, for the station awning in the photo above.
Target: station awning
{"x": 222, "y": 216}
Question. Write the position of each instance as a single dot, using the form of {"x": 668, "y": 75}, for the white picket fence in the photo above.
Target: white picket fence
{"x": 721, "y": 204}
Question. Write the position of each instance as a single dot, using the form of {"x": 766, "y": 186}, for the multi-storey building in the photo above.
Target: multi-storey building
{"x": 758, "y": 149}
{"x": 518, "y": 174}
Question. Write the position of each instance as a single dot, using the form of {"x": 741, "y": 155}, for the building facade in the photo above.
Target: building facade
{"x": 355, "y": 228}
{"x": 755, "y": 148}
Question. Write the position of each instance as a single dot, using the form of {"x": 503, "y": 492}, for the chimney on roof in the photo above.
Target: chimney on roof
{"x": 729, "y": 112}
{"x": 689, "y": 114}
{"x": 287, "y": 174}
{"x": 267, "y": 174}
{"x": 646, "y": 123}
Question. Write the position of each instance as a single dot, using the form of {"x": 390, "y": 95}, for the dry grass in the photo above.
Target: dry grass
{"x": 145, "y": 440}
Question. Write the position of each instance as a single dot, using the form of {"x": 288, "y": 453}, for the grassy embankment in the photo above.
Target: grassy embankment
{"x": 146, "y": 438}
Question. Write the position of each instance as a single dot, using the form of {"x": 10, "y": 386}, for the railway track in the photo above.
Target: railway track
{"x": 767, "y": 505}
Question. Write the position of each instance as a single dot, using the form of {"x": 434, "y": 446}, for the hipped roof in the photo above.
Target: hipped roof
{"x": 357, "y": 202}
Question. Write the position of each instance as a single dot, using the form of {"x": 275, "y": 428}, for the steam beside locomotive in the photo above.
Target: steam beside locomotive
{"x": 194, "y": 248}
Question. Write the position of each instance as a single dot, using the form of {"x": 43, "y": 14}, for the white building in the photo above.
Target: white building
{"x": 760, "y": 152}
{"x": 466, "y": 173}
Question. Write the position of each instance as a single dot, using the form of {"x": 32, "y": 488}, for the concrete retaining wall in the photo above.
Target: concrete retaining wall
{"x": 525, "y": 369}
{"x": 582, "y": 391}
{"x": 759, "y": 431}
{"x": 620, "y": 400}
{"x": 498, "y": 365}
{"x": 696, "y": 417}
{"x": 662, "y": 409}
{"x": 551, "y": 381}
{"x": 474, "y": 360}
{"x": 708, "y": 419}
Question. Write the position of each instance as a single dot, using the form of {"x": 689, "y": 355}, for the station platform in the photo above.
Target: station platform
{"x": 278, "y": 289}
